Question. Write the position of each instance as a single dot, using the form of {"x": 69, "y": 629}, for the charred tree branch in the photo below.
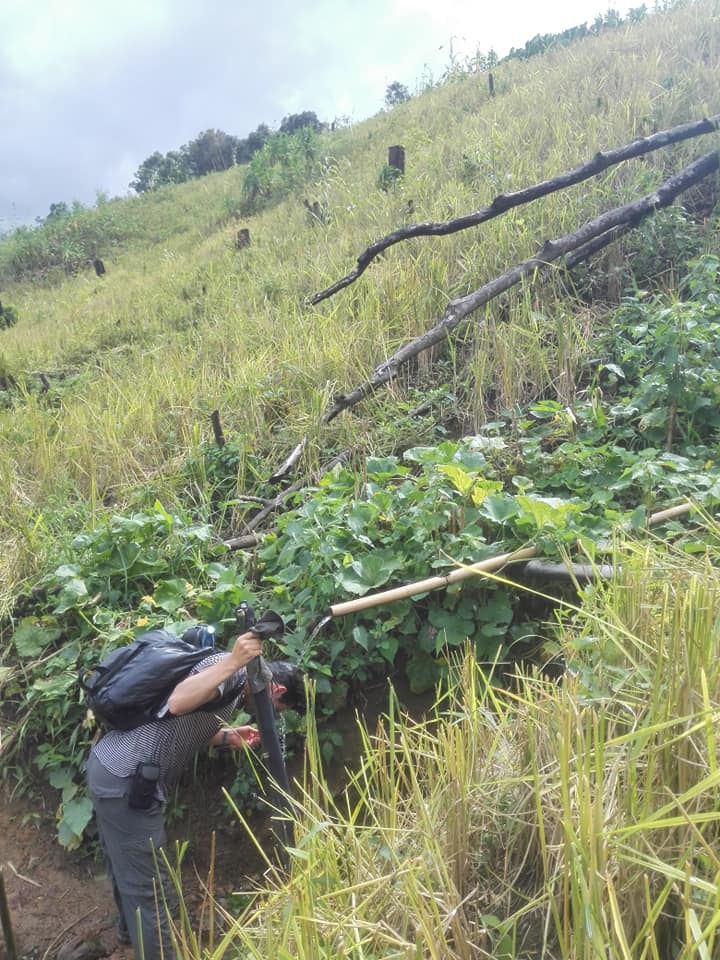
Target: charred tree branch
{"x": 504, "y": 202}
{"x": 290, "y": 462}
{"x": 592, "y": 232}
{"x": 277, "y": 501}
{"x": 217, "y": 428}
{"x": 242, "y": 543}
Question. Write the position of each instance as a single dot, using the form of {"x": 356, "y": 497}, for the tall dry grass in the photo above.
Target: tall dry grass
{"x": 571, "y": 819}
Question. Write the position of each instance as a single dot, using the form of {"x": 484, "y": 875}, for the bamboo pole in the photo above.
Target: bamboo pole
{"x": 462, "y": 573}
{"x": 432, "y": 583}
{"x": 669, "y": 514}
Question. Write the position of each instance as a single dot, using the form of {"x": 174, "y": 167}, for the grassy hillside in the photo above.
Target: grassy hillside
{"x": 563, "y": 416}
{"x": 182, "y": 323}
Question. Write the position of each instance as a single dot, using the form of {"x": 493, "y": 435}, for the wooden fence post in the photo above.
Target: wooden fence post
{"x": 491, "y": 85}
{"x": 242, "y": 239}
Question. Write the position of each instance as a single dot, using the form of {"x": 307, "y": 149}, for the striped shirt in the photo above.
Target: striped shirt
{"x": 172, "y": 742}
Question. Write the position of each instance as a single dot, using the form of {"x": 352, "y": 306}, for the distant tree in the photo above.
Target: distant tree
{"x": 609, "y": 20}
{"x": 252, "y": 143}
{"x": 296, "y": 121}
{"x": 636, "y": 14}
{"x": 58, "y": 211}
{"x": 174, "y": 168}
{"x": 210, "y": 151}
{"x": 146, "y": 175}
{"x": 396, "y": 93}
{"x": 159, "y": 170}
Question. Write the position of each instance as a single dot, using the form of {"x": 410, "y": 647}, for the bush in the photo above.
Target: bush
{"x": 388, "y": 177}
{"x": 8, "y": 316}
{"x": 284, "y": 164}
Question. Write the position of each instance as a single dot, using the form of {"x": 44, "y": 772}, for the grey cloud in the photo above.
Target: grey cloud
{"x": 217, "y": 64}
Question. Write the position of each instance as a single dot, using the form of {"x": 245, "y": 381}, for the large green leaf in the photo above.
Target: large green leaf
{"x": 76, "y": 814}
{"x": 170, "y": 595}
{"x": 422, "y": 671}
{"x": 499, "y": 509}
{"x": 371, "y": 571}
{"x": 73, "y": 594}
{"x": 34, "y": 635}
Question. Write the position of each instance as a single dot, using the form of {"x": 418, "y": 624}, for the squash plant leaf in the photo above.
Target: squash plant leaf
{"x": 370, "y": 572}
{"x": 34, "y": 635}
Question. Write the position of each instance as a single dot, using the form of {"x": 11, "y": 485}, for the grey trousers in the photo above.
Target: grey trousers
{"x": 131, "y": 841}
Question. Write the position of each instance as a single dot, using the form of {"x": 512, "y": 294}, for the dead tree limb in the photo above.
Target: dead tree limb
{"x": 290, "y": 462}
{"x": 242, "y": 543}
{"x": 507, "y": 201}
{"x": 585, "y": 239}
{"x": 277, "y": 501}
{"x": 247, "y": 498}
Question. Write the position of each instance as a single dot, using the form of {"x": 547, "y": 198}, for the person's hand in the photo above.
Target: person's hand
{"x": 246, "y": 648}
{"x": 239, "y": 737}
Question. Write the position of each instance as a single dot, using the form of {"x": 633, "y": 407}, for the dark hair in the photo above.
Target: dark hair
{"x": 293, "y": 679}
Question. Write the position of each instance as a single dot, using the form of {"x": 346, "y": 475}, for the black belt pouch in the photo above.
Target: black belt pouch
{"x": 143, "y": 792}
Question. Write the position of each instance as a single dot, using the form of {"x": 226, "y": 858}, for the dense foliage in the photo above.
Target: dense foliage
{"x": 641, "y": 434}
{"x": 212, "y": 151}
{"x": 554, "y": 419}
{"x": 610, "y": 20}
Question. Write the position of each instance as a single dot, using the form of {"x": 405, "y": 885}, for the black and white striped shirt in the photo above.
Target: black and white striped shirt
{"x": 171, "y": 742}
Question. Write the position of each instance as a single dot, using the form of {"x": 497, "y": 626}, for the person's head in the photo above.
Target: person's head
{"x": 288, "y": 682}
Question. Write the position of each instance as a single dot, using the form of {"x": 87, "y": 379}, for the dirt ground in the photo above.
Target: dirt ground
{"x": 60, "y": 902}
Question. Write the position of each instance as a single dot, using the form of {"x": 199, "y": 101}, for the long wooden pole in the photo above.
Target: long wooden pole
{"x": 462, "y": 573}
{"x": 432, "y": 583}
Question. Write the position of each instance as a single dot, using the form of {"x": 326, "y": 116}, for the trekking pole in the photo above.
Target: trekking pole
{"x": 260, "y": 678}
{"x": 6, "y": 923}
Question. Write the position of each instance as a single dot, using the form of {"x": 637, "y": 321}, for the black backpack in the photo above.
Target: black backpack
{"x": 133, "y": 683}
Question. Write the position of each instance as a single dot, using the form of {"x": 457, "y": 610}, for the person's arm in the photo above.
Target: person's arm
{"x": 201, "y": 688}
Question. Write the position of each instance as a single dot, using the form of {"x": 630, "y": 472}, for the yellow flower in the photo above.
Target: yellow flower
{"x": 142, "y": 621}
{"x": 188, "y": 587}
{"x": 150, "y": 601}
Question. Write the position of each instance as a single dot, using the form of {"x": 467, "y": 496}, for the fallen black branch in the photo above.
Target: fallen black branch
{"x": 601, "y": 161}
{"x": 591, "y": 236}
{"x": 248, "y": 539}
{"x": 242, "y": 543}
{"x": 290, "y": 462}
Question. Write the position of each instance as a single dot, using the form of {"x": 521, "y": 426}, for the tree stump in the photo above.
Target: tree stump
{"x": 217, "y": 428}
{"x": 242, "y": 239}
{"x": 396, "y": 158}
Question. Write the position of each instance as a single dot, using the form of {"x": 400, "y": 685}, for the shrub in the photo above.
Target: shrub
{"x": 8, "y": 316}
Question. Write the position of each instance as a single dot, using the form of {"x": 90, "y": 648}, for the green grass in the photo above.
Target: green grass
{"x": 183, "y": 323}
{"x": 571, "y": 820}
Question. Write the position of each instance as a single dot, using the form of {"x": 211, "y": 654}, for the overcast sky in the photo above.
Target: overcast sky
{"x": 90, "y": 88}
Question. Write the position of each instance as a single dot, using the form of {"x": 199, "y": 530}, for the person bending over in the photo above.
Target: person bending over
{"x": 129, "y": 773}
